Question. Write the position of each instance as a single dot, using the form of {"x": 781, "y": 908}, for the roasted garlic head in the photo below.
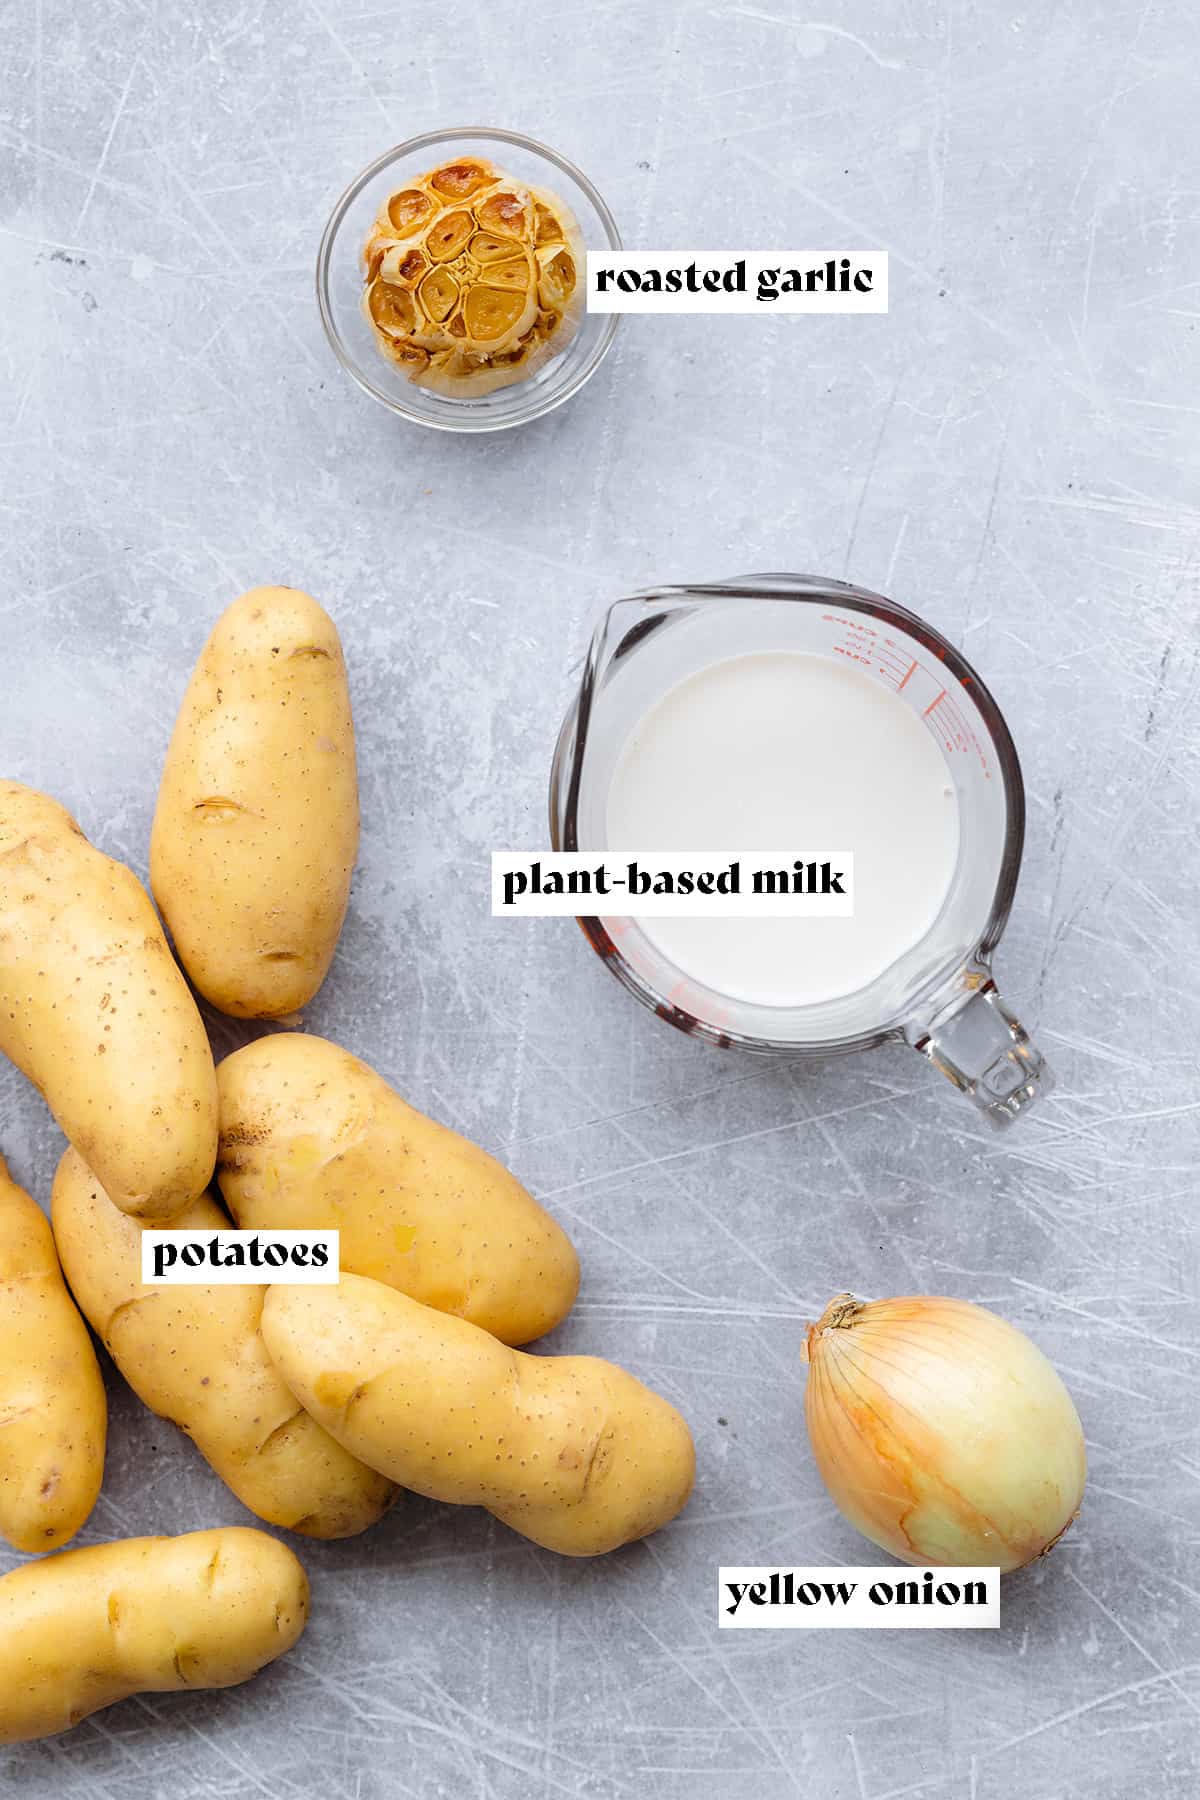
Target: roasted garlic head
{"x": 473, "y": 280}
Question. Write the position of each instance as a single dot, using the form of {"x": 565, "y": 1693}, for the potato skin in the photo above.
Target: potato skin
{"x": 142, "y": 1616}
{"x": 312, "y": 1138}
{"x": 53, "y": 1411}
{"x": 256, "y": 829}
{"x": 95, "y": 1012}
{"x": 195, "y": 1355}
{"x": 572, "y": 1452}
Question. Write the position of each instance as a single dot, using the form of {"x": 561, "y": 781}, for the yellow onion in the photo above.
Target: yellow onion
{"x": 942, "y": 1433}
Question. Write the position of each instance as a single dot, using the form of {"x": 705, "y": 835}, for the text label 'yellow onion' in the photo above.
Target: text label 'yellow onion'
{"x": 942, "y": 1433}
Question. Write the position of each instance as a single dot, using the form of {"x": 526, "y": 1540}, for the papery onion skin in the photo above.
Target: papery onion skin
{"x": 942, "y": 1432}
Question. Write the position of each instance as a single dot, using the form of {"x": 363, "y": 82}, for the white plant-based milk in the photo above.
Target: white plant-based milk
{"x": 796, "y": 752}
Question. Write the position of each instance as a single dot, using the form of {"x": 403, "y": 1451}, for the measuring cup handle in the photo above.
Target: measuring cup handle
{"x": 986, "y": 1052}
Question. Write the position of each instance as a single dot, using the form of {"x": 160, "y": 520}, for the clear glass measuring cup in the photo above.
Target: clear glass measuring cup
{"x": 939, "y": 997}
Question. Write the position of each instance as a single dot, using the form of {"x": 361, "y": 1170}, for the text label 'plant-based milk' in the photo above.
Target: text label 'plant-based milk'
{"x": 781, "y": 751}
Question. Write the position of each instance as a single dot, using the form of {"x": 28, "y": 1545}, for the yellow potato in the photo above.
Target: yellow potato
{"x": 94, "y": 1011}
{"x": 196, "y": 1356}
{"x": 53, "y": 1413}
{"x": 313, "y": 1139}
{"x": 568, "y": 1450}
{"x": 256, "y": 829}
{"x": 146, "y": 1615}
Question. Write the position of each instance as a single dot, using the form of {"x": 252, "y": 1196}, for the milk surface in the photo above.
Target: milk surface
{"x": 798, "y": 753}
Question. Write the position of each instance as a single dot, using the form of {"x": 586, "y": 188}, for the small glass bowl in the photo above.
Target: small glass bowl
{"x": 340, "y": 281}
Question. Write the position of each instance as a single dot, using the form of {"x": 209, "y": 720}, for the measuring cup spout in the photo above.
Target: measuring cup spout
{"x": 983, "y": 1048}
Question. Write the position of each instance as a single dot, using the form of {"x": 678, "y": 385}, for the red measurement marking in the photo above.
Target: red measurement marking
{"x": 934, "y": 703}
{"x": 850, "y": 624}
{"x": 957, "y": 724}
{"x": 912, "y": 669}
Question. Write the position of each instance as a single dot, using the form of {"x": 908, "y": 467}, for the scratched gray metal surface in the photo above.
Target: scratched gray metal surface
{"x": 1013, "y": 451}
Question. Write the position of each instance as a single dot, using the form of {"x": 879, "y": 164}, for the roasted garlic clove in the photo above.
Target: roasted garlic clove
{"x": 408, "y": 210}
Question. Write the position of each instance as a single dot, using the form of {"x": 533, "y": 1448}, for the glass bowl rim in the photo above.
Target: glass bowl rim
{"x": 426, "y": 140}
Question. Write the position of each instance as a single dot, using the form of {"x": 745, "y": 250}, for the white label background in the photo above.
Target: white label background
{"x": 207, "y": 1275}
{"x": 619, "y": 903}
{"x": 861, "y": 1613}
{"x": 723, "y": 261}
